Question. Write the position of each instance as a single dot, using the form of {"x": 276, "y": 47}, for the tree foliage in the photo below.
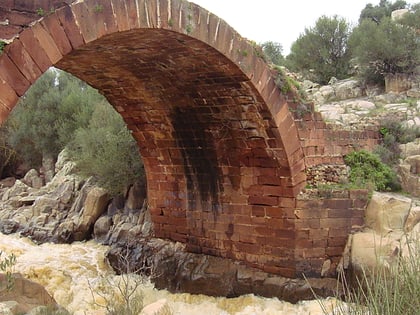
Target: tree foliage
{"x": 385, "y": 47}
{"x": 106, "y": 150}
{"x": 367, "y": 170}
{"x": 61, "y": 111}
{"x": 323, "y": 49}
{"x": 273, "y": 52}
{"x": 48, "y": 114}
{"x": 380, "y": 11}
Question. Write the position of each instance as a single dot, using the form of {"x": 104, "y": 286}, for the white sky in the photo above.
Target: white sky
{"x": 281, "y": 20}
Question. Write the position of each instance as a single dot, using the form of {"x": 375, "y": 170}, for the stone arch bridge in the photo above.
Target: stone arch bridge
{"x": 225, "y": 159}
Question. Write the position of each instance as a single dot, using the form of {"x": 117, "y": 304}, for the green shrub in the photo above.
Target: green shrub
{"x": 393, "y": 134}
{"x": 6, "y": 266}
{"x": 106, "y": 150}
{"x": 367, "y": 170}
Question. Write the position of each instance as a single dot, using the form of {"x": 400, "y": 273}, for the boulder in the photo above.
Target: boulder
{"x": 101, "y": 228}
{"x": 26, "y": 293}
{"x": 136, "y": 195}
{"x": 95, "y": 205}
{"x": 33, "y": 179}
{"x": 7, "y": 182}
{"x": 387, "y": 212}
{"x": 398, "y": 14}
{"x": 160, "y": 307}
{"x": 9, "y": 308}
{"x": 347, "y": 89}
{"x": 172, "y": 267}
{"x": 410, "y": 148}
{"x": 18, "y": 189}
{"x": 409, "y": 171}
{"x": 413, "y": 219}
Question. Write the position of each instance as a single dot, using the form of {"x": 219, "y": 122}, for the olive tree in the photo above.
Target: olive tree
{"x": 383, "y": 48}
{"x": 323, "y": 50}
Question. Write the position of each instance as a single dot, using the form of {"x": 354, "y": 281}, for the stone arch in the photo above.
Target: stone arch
{"x": 221, "y": 150}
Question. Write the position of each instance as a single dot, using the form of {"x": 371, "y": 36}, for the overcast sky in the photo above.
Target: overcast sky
{"x": 281, "y": 20}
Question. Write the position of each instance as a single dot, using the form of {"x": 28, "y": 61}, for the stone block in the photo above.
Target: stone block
{"x": 22, "y": 59}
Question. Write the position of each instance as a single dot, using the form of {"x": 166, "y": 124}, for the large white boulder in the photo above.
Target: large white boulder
{"x": 387, "y": 212}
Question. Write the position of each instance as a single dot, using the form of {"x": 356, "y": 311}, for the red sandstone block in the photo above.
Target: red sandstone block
{"x": 315, "y": 252}
{"x": 11, "y": 74}
{"x": 23, "y": 60}
{"x": 334, "y": 223}
{"x": 68, "y": 22}
{"x": 47, "y": 43}
{"x": 177, "y": 237}
{"x": 308, "y": 223}
{"x": 357, "y": 222}
{"x": 334, "y": 251}
{"x": 84, "y": 18}
{"x": 258, "y": 211}
{"x": 269, "y": 190}
{"x": 264, "y": 231}
{"x": 247, "y": 238}
{"x": 263, "y": 200}
{"x": 247, "y": 248}
{"x": 269, "y": 180}
{"x": 243, "y": 219}
{"x": 319, "y": 243}
{"x": 340, "y": 213}
{"x": 338, "y": 203}
{"x": 52, "y": 25}
{"x": 303, "y": 234}
{"x": 339, "y": 241}
{"x": 280, "y": 223}
{"x": 336, "y": 232}
{"x": 284, "y": 233}
{"x": 8, "y": 97}
{"x": 311, "y": 213}
{"x": 315, "y": 234}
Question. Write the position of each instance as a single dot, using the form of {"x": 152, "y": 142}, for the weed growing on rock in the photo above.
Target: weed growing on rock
{"x": 6, "y": 266}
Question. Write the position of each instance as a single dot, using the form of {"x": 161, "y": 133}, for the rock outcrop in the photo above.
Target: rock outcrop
{"x": 171, "y": 267}
{"x": 392, "y": 231}
{"x": 24, "y": 296}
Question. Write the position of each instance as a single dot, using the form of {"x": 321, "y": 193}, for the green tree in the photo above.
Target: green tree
{"x": 412, "y": 18}
{"x": 323, "y": 50}
{"x": 274, "y": 52}
{"x": 380, "y": 11}
{"x": 47, "y": 115}
{"x": 106, "y": 150}
{"x": 387, "y": 47}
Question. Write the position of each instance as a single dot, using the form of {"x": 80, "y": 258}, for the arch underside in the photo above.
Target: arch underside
{"x": 203, "y": 130}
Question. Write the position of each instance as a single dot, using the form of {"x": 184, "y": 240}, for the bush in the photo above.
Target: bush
{"x": 6, "y": 266}
{"x": 367, "y": 170}
{"x": 106, "y": 150}
{"x": 394, "y": 133}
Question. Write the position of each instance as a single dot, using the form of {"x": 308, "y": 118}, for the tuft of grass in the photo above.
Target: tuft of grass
{"x": 386, "y": 290}
{"x": 40, "y": 11}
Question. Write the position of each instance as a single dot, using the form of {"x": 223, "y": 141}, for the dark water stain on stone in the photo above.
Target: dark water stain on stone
{"x": 200, "y": 158}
